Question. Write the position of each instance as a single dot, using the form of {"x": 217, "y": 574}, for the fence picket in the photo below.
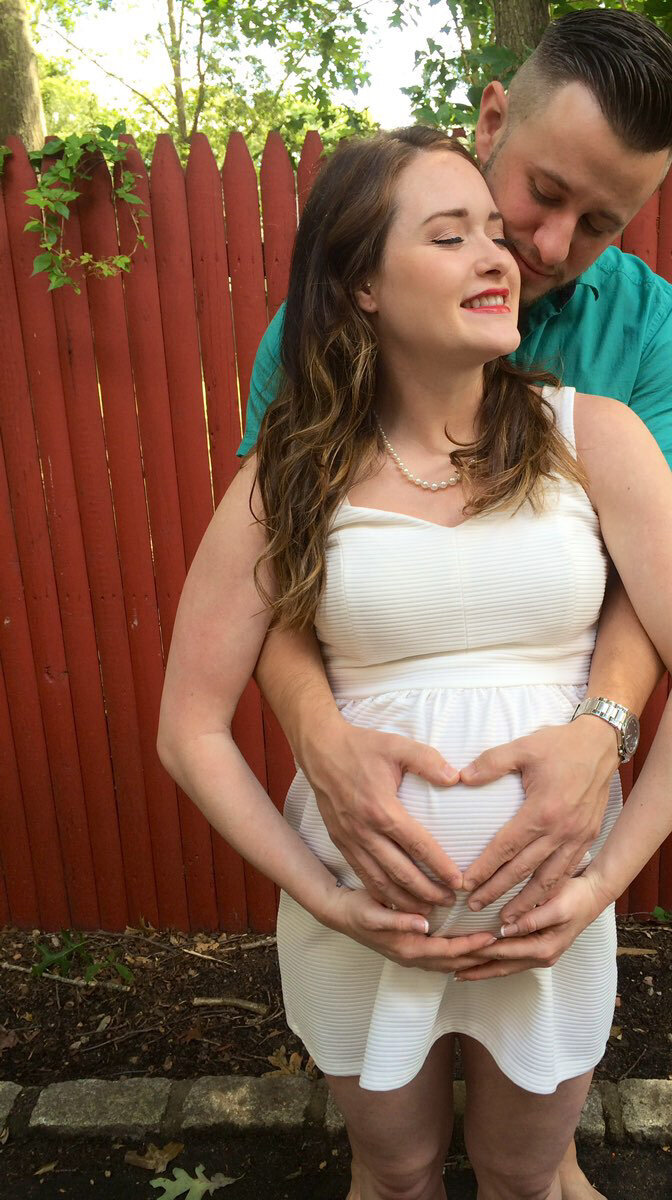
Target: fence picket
{"x": 309, "y": 165}
{"x": 664, "y": 255}
{"x": 64, "y": 644}
{"x": 215, "y": 322}
{"x": 278, "y": 202}
{"x": 640, "y": 237}
{"x": 187, "y": 410}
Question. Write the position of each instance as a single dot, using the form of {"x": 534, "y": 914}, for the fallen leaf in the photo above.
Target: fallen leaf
{"x": 648, "y": 980}
{"x": 191, "y": 1188}
{"x": 46, "y": 1168}
{"x": 4, "y": 1135}
{"x": 616, "y": 1032}
{"x": 193, "y": 1034}
{"x": 8, "y": 1038}
{"x": 155, "y": 1158}
{"x": 103, "y": 1024}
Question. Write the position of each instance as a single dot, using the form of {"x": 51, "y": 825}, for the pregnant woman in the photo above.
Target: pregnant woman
{"x": 441, "y": 519}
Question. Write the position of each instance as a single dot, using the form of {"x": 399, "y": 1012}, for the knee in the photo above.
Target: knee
{"x": 513, "y": 1184}
{"x": 412, "y": 1181}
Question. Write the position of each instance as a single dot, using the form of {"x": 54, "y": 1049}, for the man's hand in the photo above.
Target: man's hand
{"x": 355, "y": 774}
{"x": 565, "y": 771}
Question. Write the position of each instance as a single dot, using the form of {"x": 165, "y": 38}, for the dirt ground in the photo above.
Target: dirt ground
{"x": 53, "y": 1030}
{"x": 278, "y": 1168}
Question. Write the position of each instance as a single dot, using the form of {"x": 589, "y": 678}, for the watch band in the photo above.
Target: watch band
{"x": 622, "y": 719}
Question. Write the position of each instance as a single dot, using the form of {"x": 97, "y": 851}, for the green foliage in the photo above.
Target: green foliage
{"x": 218, "y": 62}
{"x": 72, "y": 954}
{"x": 451, "y": 85}
{"x": 57, "y": 189}
{"x": 662, "y": 915}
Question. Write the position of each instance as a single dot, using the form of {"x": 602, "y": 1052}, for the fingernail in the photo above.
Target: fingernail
{"x": 509, "y": 930}
{"x": 467, "y": 772}
{"x": 448, "y": 900}
{"x": 475, "y": 905}
{"x": 450, "y": 774}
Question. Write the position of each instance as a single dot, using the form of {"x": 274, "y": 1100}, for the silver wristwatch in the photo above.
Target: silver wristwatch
{"x": 623, "y": 720}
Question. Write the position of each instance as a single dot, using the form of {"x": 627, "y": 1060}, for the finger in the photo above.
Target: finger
{"x": 493, "y": 763}
{"x": 424, "y": 760}
{"x": 512, "y": 873}
{"x": 384, "y": 920}
{"x": 546, "y": 916}
{"x": 394, "y": 868}
{"x": 420, "y": 847}
{"x": 496, "y": 970}
{"x": 455, "y": 947}
{"x": 509, "y": 841}
{"x": 384, "y": 889}
{"x": 545, "y": 883}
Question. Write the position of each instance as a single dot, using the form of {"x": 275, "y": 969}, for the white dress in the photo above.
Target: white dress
{"x": 462, "y": 638}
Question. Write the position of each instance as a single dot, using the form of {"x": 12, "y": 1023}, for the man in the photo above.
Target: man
{"x": 582, "y": 140}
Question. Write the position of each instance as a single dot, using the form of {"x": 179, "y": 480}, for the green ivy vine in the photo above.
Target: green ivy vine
{"x": 56, "y": 191}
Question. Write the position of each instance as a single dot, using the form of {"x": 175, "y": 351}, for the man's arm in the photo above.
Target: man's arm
{"x": 565, "y": 771}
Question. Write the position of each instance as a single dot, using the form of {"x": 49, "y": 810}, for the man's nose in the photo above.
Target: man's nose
{"x": 553, "y": 240}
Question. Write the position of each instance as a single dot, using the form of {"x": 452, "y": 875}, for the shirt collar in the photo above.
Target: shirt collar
{"x": 554, "y": 302}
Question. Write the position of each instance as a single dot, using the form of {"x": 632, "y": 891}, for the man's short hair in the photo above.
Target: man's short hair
{"x": 622, "y": 58}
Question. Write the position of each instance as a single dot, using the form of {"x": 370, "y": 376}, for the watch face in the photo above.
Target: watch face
{"x": 631, "y": 735}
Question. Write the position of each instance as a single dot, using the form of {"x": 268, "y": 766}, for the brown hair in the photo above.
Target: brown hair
{"x": 319, "y": 435}
{"x": 624, "y": 59}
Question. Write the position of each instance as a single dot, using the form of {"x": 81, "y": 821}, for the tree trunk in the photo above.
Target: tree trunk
{"x": 519, "y": 24}
{"x": 21, "y": 111}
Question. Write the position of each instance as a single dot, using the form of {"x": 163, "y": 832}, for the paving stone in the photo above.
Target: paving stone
{"x": 129, "y": 1107}
{"x": 8, "y": 1094}
{"x": 231, "y": 1102}
{"x": 647, "y": 1109}
{"x": 333, "y": 1117}
{"x": 591, "y": 1125}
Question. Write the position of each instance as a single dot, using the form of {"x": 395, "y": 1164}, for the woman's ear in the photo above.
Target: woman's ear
{"x": 366, "y": 299}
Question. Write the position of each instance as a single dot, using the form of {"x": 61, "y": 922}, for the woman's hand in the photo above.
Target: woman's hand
{"x": 540, "y": 937}
{"x": 401, "y": 936}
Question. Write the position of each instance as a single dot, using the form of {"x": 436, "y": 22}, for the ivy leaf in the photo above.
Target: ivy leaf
{"x": 41, "y": 263}
{"x": 33, "y": 227}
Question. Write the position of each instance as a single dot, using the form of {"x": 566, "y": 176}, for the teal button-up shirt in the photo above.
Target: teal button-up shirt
{"x": 609, "y": 334}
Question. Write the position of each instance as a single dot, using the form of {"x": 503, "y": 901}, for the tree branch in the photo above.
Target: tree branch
{"x": 112, "y": 75}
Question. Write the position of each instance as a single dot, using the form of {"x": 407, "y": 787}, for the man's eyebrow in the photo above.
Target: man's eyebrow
{"x": 604, "y": 213}
{"x": 459, "y": 212}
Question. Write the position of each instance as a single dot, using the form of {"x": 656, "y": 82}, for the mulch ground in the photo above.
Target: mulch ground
{"x": 279, "y": 1168}
{"x": 53, "y": 1030}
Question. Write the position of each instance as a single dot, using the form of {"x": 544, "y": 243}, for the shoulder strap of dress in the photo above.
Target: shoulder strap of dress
{"x": 562, "y": 400}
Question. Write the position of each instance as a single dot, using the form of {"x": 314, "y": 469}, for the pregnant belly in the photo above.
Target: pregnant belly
{"x": 460, "y": 723}
{"x": 461, "y": 820}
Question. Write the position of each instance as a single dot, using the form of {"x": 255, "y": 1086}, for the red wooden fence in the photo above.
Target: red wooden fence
{"x": 120, "y": 415}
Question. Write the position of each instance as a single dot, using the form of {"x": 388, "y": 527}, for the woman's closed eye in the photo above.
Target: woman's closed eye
{"x": 453, "y": 241}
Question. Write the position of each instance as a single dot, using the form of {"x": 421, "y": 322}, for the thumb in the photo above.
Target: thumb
{"x": 493, "y": 763}
{"x": 427, "y": 762}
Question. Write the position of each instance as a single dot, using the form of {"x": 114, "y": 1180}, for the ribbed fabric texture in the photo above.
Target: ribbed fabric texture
{"x": 461, "y": 638}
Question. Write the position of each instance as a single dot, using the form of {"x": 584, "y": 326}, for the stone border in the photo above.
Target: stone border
{"x": 638, "y": 1110}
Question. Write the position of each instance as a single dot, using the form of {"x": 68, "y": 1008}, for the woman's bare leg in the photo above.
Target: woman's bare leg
{"x": 516, "y": 1139}
{"x": 573, "y": 1182}
{"x": 400, "y": 1138}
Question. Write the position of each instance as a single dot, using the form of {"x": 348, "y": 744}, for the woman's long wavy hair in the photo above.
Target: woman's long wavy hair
{"x": 319, "y": 436}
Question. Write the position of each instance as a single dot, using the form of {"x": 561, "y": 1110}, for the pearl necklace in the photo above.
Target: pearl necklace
{"x": 423, "y": 483}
